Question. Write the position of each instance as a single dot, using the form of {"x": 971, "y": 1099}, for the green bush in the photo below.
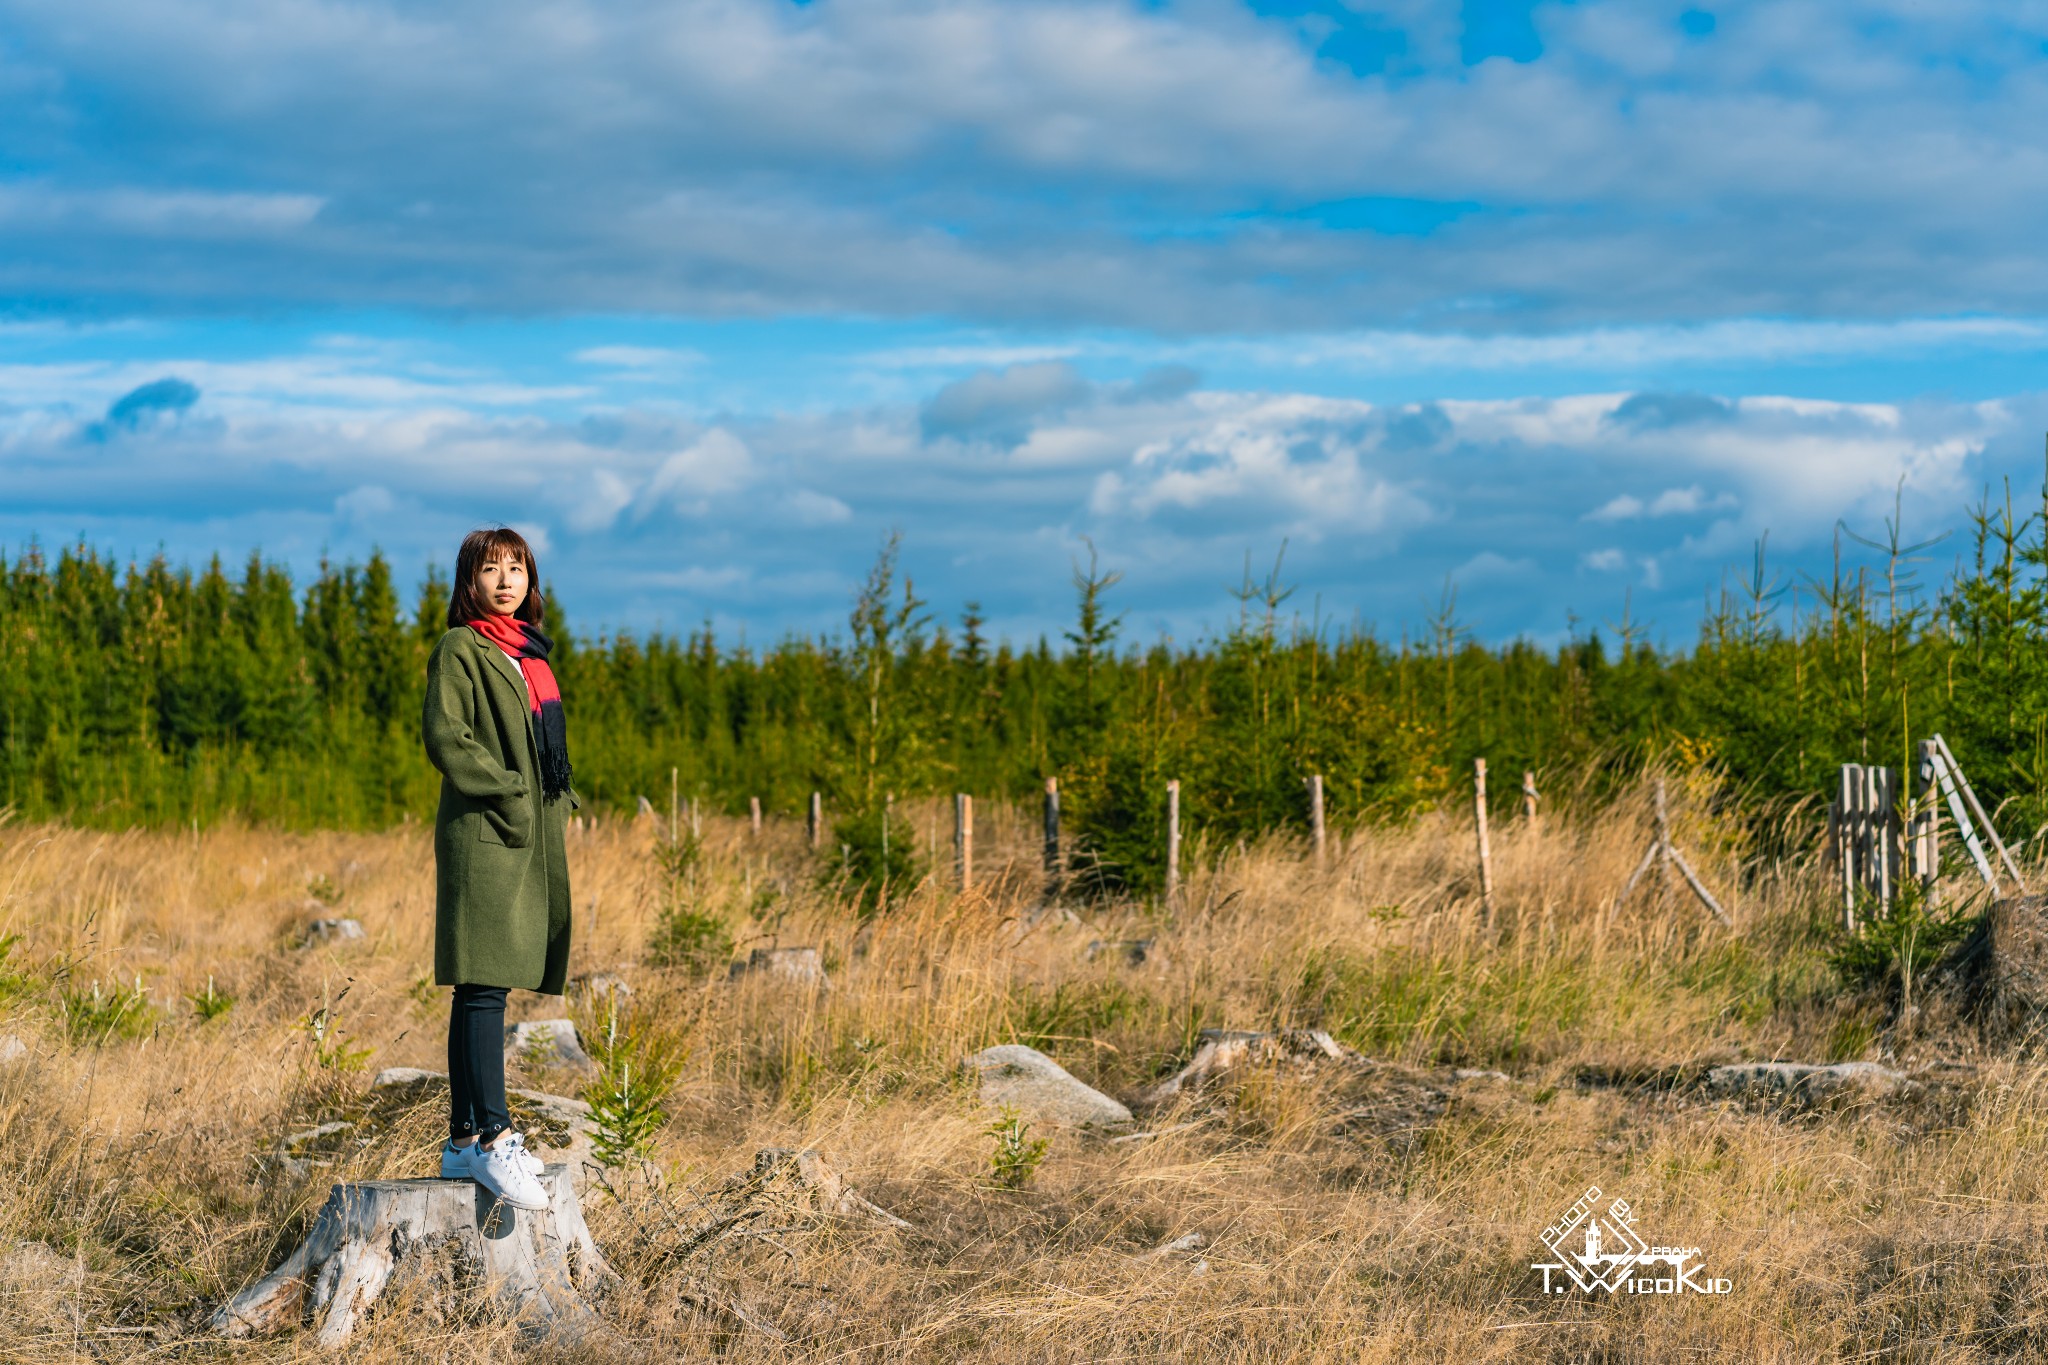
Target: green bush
{"x": 1888, "y": 952}
{"x": 97, "y": 1016}
{"x": 628, "y": 1097}
{"x": 878, "y": 859}
{"x": 1017, "y": 1155}
{"x": 693, "y": 939}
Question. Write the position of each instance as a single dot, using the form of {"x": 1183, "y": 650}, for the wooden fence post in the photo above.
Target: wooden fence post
{"x": 1315, "y": 816}
{"x": 817, "y": 818}
{"x": 1172, "y": 840}
{"x": 696, "y": 828}
{"x": 1485, "y": 853}
{"x": 1529, "y": 798}
{"x": 963, "y": 838}
{"x": 1052, "y": 837}
{"x": 1924, "y": 846}
{"x": 674, "y": 807}
{"x": 754, "y": 815}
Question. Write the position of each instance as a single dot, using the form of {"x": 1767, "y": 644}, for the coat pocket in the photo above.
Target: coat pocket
{"x": 495, "y": 828}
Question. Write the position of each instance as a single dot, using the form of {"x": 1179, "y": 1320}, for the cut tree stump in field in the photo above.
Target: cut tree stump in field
{"x": 1223, "y": 1050}
{"x": 450, "y": 1237}
{"x": 1997, "y": 977}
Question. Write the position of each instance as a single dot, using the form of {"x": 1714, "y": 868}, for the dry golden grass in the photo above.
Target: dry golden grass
{"x": 1386, "y": 1215}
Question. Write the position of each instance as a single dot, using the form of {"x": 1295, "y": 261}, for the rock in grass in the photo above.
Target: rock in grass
{"x": 547, "y": 1042}
{"x": 1223, "y": 1050}
{"x": 598, "y": 985}
{"x": 330, "y": 931}
{"x": 797, "y": 966}
{"x": 1806, "y": 1082}
{"x": 12, "y": 1049}
{"x": 1041, "y": 1090}
{"x": 401, "y": 1077}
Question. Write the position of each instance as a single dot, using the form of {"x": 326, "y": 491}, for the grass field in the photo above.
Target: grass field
{"x": 1349, "y": 1214}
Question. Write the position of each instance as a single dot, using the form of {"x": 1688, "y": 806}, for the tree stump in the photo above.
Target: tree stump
{"x": 452, "y": 1236}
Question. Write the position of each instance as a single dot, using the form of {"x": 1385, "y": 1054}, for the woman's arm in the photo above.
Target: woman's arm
{"x": 447, "y": 728}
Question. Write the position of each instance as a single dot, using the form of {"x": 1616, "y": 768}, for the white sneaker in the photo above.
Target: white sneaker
{"x": 455, "y": 1161}
{"x": 502, "y": 1170}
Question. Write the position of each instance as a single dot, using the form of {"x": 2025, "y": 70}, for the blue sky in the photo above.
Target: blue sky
{"x": 1564, "y": 305}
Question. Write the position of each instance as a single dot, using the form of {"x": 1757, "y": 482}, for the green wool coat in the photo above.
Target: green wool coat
{"x": 501, "y": 869}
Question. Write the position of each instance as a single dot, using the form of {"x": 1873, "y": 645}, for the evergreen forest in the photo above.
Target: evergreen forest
{"x": 153, "y": 694}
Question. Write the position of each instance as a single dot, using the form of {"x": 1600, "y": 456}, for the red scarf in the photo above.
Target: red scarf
{"x": 529, "y": 645}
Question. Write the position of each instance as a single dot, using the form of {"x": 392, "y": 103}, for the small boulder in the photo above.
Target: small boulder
{"x": 798, "y": 966}
{"x": 1040, "y": 1089}
{"x": 403, "y": 1077}
{"x": 547, "y": 1043}
{"x": 1806, "y": 1082}
{"x": 599, "y": 985}
{"x": 12, "y": 1049}
{"x": 1223, "y": 1050}
{"x": 330, "y": 931}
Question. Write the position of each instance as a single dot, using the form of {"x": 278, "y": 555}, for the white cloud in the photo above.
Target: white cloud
{"x": 642, "y": 362}
{"x": 717, "y": 462}
{"x": 1621, "y": 507}
{"x": 1604, "y": 561}
{"x": 812, "y": 508}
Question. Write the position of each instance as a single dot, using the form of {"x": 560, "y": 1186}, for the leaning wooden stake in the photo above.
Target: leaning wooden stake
{"x": 963, "y": 839}
{"x": 1485, "y": 853}
{"x": 448, "y": 1234}
{"x": 1662, "y": 850}
{"x": 754, "y": 816}
{"x": 673, "y": 807}
{"x": 1315, "y": 816}
{"x": 1529, "y": 798}
{"x": 1955, "y": 772}
{"x": 817, "y": 819}
{"x": 1172, "y": 840}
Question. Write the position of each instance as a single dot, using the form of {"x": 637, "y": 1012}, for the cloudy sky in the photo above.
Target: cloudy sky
{"x": 1561, "y": 305}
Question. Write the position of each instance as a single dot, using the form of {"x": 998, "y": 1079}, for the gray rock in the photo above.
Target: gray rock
{"x": 598, "y": 985}
{"x": 330, "y": 931}
{"x": 1807, "y": 1081}
{"x": 298, "y": 1140}
{"x": 547, "y": 1043}
{"x": 12, "y": 1049}
{"x": 392, "y": 1077}
{"x": 1040, "y": 1089}
{"x": 799, "y": 966}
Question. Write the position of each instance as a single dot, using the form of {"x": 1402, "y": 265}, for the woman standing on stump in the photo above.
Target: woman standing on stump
{"x": 494, "y": 727}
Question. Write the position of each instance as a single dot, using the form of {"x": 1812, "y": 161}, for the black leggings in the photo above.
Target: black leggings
{"x": 476, "y": 1063}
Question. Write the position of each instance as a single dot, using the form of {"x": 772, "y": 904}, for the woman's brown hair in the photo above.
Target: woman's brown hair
{"x": 478, "y": 549}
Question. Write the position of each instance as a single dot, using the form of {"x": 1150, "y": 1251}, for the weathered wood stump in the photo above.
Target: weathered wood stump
{"x": 453, "y": 1237}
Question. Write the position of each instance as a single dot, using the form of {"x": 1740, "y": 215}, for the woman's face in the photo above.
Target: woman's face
{"x": 501, "y": 582}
